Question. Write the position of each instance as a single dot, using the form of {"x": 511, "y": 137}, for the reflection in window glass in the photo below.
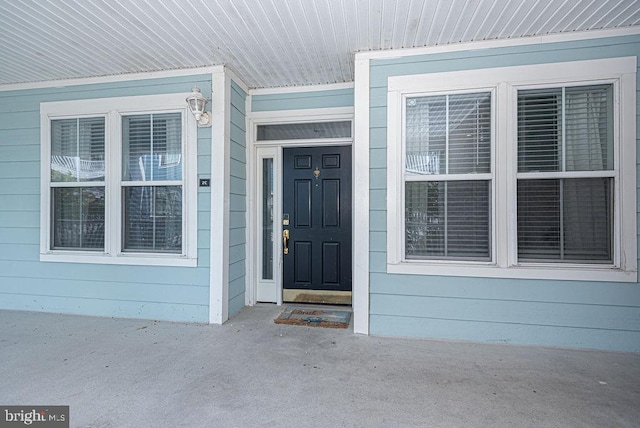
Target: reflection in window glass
{"x": 77, "y": 150}
{"x": 448, "y": 134}
{"x": 267, "y": 219}
{"x": 304, "y": 131}
{"x": 446, "y": 217}
{"x": 152, "y": 152}
{"x": 152, "y": 147}
{"x": 153, "y": 219}
{"x": 78, "y": 218}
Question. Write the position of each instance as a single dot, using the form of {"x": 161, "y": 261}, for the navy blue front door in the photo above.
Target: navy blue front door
{"x": 317, "y": 216}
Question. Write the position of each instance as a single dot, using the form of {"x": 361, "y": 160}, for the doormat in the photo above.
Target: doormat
{"x": 314, "y": 317}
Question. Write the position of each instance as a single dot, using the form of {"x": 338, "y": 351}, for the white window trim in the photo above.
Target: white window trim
{"x": 113, "y": 109}
{"x": 506, "y": 81}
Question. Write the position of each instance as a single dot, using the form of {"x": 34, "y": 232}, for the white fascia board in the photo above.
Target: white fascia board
{"x": 62, "y": 83}
{"x": 489, "y": 44}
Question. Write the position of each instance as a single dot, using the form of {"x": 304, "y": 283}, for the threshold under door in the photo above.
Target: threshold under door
{"x": 329, "y": 297}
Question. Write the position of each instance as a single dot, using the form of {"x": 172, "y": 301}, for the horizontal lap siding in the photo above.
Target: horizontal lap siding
{"x": 237, "y": 200}
{"x": 154, "y": 292}
{"x": 303, "y": 100}
{"x": 557, "y": 313}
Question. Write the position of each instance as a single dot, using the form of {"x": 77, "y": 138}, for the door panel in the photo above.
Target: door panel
{"x": 331, "y": 203}
{"x": 331, "y": 263}
{"x": 302, "y": 255}
{"x": 317, "y": 199}
{"x": 302, "y": 198}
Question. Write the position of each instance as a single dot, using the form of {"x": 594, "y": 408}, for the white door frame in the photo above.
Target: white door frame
{"x": 259, "y": 150}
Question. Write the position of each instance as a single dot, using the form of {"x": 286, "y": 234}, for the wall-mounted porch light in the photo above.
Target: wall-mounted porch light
{"x": 197, "y": 103}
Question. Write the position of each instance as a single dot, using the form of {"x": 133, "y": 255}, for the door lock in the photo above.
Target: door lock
{"x": 285, "y": 241}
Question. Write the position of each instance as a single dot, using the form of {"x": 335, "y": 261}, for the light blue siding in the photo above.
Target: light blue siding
{"x": 303, "y": 100}
{"x": 556, "y": 313}
{"x": 154, "y": 292}
{"x": 237, "y": 200}
{"x": 20, "y": 203}
{"x": 506, "y": 332}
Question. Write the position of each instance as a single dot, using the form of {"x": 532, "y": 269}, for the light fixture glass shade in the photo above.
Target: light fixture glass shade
{"x": 197, "y": 103}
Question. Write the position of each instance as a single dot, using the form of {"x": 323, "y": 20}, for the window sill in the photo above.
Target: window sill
{"x": 120, "y": 259}
{"x": 529, "y": 271}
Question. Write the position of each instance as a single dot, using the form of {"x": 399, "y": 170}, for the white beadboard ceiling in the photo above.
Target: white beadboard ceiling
{"x": 267, "y": 43}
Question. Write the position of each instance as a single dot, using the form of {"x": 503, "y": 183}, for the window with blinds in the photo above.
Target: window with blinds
{"x": 566, "y": 174}
{"x": 514, "y": 172}
{"x": 448, "y": 177}
{"x": 152, "y": 183}
{"x": 77, "y": 183}
{"x": 121, "y": 185}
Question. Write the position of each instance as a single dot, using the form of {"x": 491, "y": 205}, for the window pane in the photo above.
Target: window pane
{"x": 565, "y": 130}
{"x": 78, "y": 218}
{"x": 449, "y": 134}
{"x": 304, "y": 131}
{"x": 153, "y": 219}
{"x": 539, "y": 219}
{"x": 448, "y": 220}
{"x": 77, "y": 150}
{"x": 425, "y": 135}
{"x": 152, "y": 147}
{"x": 565, "y": 220}
{"x": 589, "y": 130}
{"x": 267, "y": 219}
{"x": 539, "y": 130}
{"x": 469, "y": 133}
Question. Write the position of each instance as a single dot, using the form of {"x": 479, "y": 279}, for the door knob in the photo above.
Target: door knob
{"x": 285, "y": 241}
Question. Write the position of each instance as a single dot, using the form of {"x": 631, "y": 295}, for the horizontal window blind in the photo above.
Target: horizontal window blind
{"x": 78, "y": 218}
{"x": 152, "y": 147}
{"x": 77, "y": 150}
{"x": 77, "y": 183}
{"x": 454, "y": 130}
{"x": 152, "y": 152}
{"x": 565, "y": 220}
{"x": 448, "y": 219}
{"x": 567, "y": 130}
{"x": 153, "y": 218}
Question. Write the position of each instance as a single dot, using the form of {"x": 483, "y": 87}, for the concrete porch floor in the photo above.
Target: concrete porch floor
{"x": 252, "y": 372}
